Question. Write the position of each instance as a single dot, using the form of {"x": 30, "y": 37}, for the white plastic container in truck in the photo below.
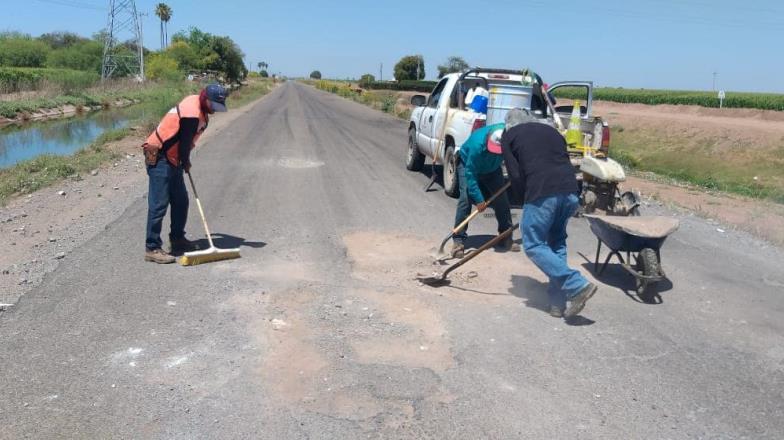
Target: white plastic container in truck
{"x": 441, "y": 122}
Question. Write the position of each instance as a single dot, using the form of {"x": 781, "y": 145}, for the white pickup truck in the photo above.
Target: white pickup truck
{"x": 441, "y": 122}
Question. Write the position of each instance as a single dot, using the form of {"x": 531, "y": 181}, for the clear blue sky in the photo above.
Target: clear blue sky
{"x": 639, "y": 43}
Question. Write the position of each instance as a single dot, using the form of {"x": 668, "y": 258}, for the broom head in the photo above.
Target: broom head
{"x": 208, "y": 255}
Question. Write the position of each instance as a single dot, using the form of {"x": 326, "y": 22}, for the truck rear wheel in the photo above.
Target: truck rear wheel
{"x": 451, "y": 184}
{"x": 415, "y": 160}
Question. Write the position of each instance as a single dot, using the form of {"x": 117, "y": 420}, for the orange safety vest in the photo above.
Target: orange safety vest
{"x": 170, "y": 126}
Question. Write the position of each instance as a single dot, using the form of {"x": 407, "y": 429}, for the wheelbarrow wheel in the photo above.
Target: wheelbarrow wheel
{"x": 648, "y": 265}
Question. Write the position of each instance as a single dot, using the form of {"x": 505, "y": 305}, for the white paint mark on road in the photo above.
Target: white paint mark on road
{"x": 175, "y": 361}
{"x": 279, "y": 324}
{"x": 128, "y": 354}
{"x": 771, "y": 282}
{"x": 51, "y": 397}
{"x": 295, "y": 163}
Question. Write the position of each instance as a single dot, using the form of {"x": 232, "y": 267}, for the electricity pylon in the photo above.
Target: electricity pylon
{"x": 123, "y": 49}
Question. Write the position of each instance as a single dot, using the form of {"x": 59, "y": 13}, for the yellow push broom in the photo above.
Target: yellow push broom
{"x": 207, "y": 255}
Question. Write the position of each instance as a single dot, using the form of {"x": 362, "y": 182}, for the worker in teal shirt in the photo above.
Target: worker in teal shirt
{"x": 480, "y": 176}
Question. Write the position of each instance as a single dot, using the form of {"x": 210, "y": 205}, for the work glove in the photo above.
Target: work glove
{"x": 187, "y": 167}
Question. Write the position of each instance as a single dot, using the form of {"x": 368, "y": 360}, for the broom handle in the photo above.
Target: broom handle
{"x": 201, "y": 211}
{"x": 462, "y": 225}
{"x": 556, "y": 118}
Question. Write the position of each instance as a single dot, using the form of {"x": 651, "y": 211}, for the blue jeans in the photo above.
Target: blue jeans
{"x": 544, "y": 241}
{"x": 167, "y": 187}
{"x": 489, "y": 183}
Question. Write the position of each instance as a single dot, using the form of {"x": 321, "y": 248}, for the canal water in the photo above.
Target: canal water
{"x": 61, "y": 137}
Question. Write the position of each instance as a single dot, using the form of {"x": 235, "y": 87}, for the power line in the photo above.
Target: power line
{"x": 74, "y": 4}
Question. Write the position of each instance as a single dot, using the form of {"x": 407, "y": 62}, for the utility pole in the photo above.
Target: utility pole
{"x": 122, "y": 23}
{"x": 714, "y": 79}
{"x": 381, "y": 72}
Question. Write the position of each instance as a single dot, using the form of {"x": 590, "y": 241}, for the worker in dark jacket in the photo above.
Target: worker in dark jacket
{"x": 167, "y": 154}
{"x": 479, "y": 176}
{"x": 539, "y": 166}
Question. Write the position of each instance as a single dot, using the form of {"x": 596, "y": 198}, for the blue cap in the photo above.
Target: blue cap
{"x": 216, "y": 94}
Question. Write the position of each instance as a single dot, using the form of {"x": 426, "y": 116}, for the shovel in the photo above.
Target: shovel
{"x": 441, "y": 254}
{"x": 440, "y": 280}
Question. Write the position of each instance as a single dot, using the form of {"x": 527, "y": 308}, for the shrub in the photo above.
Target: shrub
{"x": 86, "y": 55}
{"x": 366, "y": 79}
{"x": 410, "y": 67}
{"x": 161, "y": 67}
{"x": 22, "y": 52}
{"x": 14, "y": 79}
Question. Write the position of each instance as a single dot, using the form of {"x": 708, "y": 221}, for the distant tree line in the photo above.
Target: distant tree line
{"x": 191, "y": 50}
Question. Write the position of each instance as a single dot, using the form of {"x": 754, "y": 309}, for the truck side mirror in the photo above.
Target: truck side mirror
{"x": 418, "y": 100}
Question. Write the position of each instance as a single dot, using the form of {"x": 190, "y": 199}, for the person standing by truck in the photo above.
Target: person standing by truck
{"x": 479, "y": 175}
{"x": 539, "y": 167}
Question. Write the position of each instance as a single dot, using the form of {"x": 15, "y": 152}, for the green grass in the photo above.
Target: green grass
{"x": 763, "y": 101}
{"x": 383, "y": 100}
{"x": 104, "y": 98}
{"x": 704, "y": 163}
{"x": 14, "y": 79}
{"x": 255, "y": 89}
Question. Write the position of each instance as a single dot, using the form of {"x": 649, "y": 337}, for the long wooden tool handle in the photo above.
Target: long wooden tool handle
{"x": 462, "y": 225}
{"x": 484, "y": 247}
{"x": 201, "y": 211}
{"x": 557, "y": 118}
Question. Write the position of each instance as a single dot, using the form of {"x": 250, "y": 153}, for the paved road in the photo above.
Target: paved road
{"x": 320, "y": 332}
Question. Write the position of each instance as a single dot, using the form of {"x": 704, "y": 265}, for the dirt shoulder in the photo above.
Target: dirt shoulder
{"x": 760, "y": 218}
{"x": 40, "y": 229}
{"x": 740, "y": 136}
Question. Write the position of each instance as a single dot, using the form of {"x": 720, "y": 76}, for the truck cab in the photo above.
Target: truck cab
{"x": 441, "y": 122}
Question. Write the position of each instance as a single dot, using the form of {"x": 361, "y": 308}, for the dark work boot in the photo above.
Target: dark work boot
{"x": 556, "y": 312}
{"x": 182, "y": 245}
{"x": 577, "y": 303}
{"x": 509, "y": 245}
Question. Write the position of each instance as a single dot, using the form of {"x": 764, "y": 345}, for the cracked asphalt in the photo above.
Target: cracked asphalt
{"x": 319, "y": 331}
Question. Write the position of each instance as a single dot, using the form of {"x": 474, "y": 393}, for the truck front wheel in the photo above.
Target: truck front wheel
{"x": 415, "y": 160}
{"x": 451, "y": 186}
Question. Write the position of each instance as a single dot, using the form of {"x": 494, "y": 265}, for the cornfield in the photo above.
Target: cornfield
{"x": 410, "y": 86}
{"x": 763, "y": 101}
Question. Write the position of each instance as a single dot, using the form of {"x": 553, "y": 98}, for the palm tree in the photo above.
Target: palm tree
{"x": 164, "y": 12}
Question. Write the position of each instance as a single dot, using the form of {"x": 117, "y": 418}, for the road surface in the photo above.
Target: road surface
{"x": 319, "y": 330}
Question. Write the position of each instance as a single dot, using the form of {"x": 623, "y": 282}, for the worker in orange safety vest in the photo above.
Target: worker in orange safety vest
{"x": 167, "y": 154}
